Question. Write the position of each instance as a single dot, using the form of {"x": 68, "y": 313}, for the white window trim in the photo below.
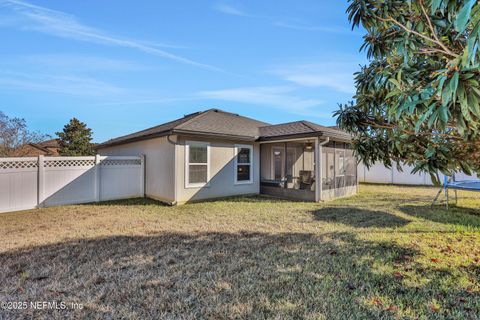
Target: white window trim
{"x": 236, "y": 164}
{"x": 187, "y": 164}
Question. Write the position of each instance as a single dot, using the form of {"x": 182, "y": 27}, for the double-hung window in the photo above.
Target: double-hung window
{"x": 243, "y": 164}
{"x": 197, "y": 164}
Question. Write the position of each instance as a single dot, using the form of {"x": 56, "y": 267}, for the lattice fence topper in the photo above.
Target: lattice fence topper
{"x": 121, "y": 162}
{"x": 18, "y": 164}
{"x": 69, "y": 163}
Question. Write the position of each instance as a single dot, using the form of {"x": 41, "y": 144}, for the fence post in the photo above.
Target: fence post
{"x": 41, "y": 181}
{"x": 96, "y": 187}
{"x": 142, "y": 174}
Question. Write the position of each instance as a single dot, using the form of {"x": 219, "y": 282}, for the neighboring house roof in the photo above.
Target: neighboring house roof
{"x": 226, "y": 125}
{"x": 52, "y": 143}
{"x": 47, "y": 147}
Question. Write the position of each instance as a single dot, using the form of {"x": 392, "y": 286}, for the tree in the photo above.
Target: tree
{"x": 76, "y": 139}
{"x": 417, "y": 100}
{"x": 14, "y": 134}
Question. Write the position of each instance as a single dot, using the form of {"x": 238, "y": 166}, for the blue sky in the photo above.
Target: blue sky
{"x": 122, "y": 66}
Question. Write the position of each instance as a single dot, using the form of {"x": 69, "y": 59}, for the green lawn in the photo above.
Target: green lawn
{"x": 381, "y": 254}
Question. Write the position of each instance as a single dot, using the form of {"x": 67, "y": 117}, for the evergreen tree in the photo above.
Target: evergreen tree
{"x": 76, "y": 139}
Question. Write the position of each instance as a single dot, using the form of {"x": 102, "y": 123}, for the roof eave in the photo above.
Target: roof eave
{"x": 134, "y": 139}
{"x": 290, "y": 136}
{"x": 337, "y": 137}
{"x": 215, "y": 135}
{"x": 178, "y": 132}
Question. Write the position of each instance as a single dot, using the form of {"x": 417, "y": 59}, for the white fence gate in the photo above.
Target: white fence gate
{"x": 27, "y": 183}
{"x": 378, "y": 173}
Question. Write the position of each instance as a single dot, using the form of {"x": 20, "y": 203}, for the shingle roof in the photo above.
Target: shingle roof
{"x": 223, "y": 123}
{"x": 52, "y": 143}
{"x": 300, "y": 128}
{"x": 215, "y": 122}
{"x": 209, "y": 122}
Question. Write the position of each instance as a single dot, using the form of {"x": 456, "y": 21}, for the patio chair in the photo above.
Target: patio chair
{"x": 306, "y": 179}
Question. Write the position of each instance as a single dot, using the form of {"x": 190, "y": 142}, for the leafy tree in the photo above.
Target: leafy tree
{"x": 76, "y": 139}
{"x": 417, "y": 100}
{"x": 14, "y": 134}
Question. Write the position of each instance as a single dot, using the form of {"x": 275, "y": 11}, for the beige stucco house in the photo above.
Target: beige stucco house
{"x": 214, "y": 154}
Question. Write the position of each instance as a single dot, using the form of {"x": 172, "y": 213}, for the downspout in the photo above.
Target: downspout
{"x": 175, "y": 144}
{"x": 285, "y": 165}
{"x": 318, "y": 168}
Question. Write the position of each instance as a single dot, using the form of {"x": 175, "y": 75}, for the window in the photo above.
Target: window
{"x": 197, "y": 164}
{"x": 243, "y": 164}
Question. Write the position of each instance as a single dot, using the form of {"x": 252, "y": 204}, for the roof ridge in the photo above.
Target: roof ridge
{"x": 281, "y": 124}
{"x": 308, "y": 125}
{"x": 238, "y": 115}
{"x": 193, "y": 115}
{"x": 201, "y": 113}
{"x": 36, "y": 145}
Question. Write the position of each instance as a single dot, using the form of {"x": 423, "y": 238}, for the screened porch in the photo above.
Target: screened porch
{"x": 289, "y": 169}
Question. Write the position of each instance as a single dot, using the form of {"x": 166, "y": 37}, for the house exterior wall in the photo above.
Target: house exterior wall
{"x": 222, "y": 172}
{"x": 159, "y": 165}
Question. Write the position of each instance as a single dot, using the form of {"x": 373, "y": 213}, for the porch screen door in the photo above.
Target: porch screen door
{"x": 279, "y": 170}
{"x": 278, "y": 163}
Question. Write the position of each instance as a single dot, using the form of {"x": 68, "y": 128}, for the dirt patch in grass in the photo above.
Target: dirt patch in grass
{"x": 369, "y": 256}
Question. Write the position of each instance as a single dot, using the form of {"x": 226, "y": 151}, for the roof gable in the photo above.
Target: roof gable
{"x": 218, "y": 123}
{"x": 221, "y": 122}
{"x": 211, "y": 122}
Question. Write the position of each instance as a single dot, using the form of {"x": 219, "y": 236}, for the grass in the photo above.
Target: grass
{"x": 381, "y": 254}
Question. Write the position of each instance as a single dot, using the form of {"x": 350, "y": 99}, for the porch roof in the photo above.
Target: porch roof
{"x": 300, "y": 129}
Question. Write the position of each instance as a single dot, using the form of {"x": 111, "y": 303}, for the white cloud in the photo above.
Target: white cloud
{"x": 77, "y": 62}
{"x": 276, "y": 97}
{"x": 58, "y": 84}
{"x": 147, "y": 101}
{"x": 228, "y": 9}
{"x": 335, "y": 75}
{"x": 60, "y": 24}
{"x": 276, "y": 22}
{"x": 305, "y": 27}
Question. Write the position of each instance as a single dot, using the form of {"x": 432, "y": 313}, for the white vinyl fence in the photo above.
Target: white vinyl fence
{"x": 378, "y": 173}
{"x": 27, "y": 183}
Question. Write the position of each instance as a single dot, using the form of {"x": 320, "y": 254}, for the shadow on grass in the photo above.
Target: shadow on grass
{"x": 230, "y": 275}
{"x": 149, "y": 201}
{"x": 127, "y": 202}
{"x": 455, "y": 215}
{"x": 359, "y": 218}
{"x": 260, "y": 198}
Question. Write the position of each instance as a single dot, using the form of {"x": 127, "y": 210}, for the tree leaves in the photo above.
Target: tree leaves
{"x": 464, "y": 16}
{"x": 435, "y": 5}
{"x": 76, "y": 139}
{"x": 418, "y": 98}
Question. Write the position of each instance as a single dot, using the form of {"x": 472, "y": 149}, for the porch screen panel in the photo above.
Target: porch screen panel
{"x": 339, "y": 165}
{"x": 350, "y": 168}
{"x": 328, "y": 167}
{"x": 277, "y": 164}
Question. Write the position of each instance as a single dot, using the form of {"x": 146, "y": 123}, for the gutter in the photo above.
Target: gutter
{"x": 299, "y": 136}
{"x": 179, "y": 132}
{"x": 214, "y": 135}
